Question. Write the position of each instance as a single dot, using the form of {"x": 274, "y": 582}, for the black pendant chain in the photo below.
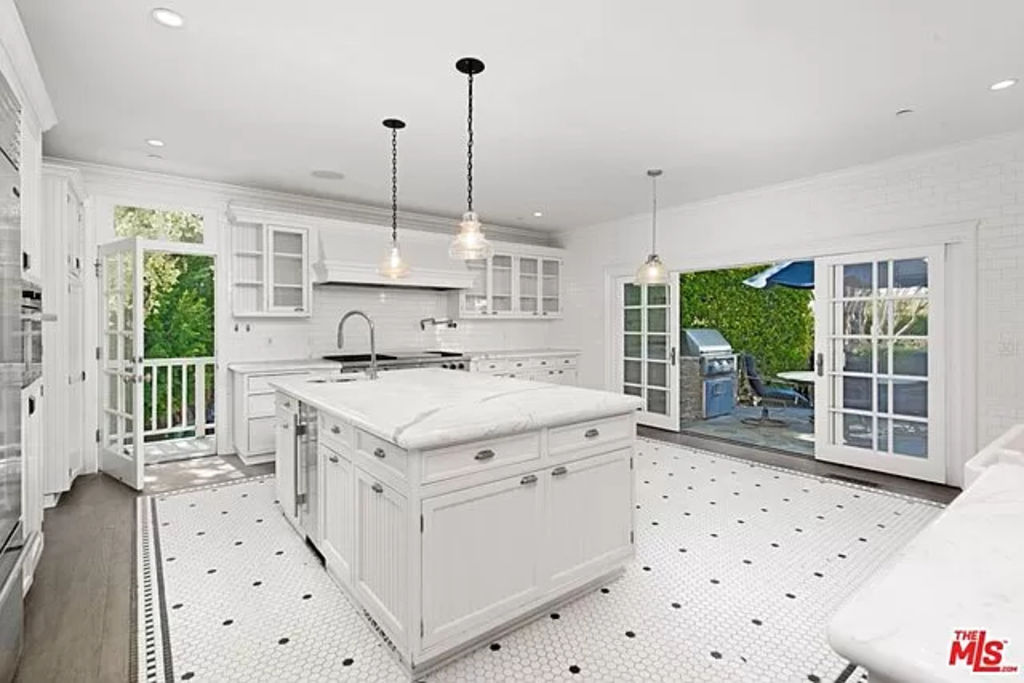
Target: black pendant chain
{"x": 394, "y": 185}
{"x": 469, "y": 148}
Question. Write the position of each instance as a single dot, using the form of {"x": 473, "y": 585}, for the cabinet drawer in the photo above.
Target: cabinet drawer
{"x": 333, "y": 430}
{"x": 260, "y": 384}
{"x": 455, "y": 461}
{"x": 261, "y": 405}
{"x": 380, "y": 451}
{"x": 282, "y": 402}
{"x": 565, "y": 361}
{"x": 261, "y": 435}
{"x": 588, "y": 436}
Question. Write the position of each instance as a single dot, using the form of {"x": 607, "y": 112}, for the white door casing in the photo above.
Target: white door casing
{"x": 880, "y": 357}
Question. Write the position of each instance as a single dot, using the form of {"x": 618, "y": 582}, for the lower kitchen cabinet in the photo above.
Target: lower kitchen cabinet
{"x": 285, "y": 460}
{"x": 481, "y": 554}
{"x": 589, "y": 519}
{"x": 336, "y": 527}
{"x": 380, "y": 578}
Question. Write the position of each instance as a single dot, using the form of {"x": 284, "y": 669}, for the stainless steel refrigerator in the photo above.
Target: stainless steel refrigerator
{"x": 12, "y": 376}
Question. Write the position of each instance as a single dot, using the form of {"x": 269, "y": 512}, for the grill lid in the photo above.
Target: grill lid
{"x": 700, "y": 341}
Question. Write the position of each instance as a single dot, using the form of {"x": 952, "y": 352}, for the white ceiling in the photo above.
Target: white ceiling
{"x": 579, "y": 96}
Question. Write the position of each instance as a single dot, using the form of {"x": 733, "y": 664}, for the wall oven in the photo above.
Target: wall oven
{"x": 32, "y": 331}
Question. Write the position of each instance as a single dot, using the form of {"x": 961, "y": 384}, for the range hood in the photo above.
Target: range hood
{"x": 350, "y": 258}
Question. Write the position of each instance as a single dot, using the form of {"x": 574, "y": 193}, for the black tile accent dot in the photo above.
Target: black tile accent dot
{"x": 676, "y": 605}
{"x": 188, "y": 676}
{"x": 862, "y": 539}
{"x": 574, "y": 669}
{"x": 682, "y": 550}
{"x": 259, "y": 520}
{"x": 238, "y": 543}
{"x": 348, "y": 661}
{"x": 211, "y": 571}
{"x": 775, "y": 545}
{"x": 171, "y": 559}
{"x": 495, "y": 647}
{"x": 819, "y": 575}
{"x": 716, "y": 654}
{"x": 813, "y": 679}
{"x": 630, "y": 634}
{"x": 715, "y": 581}
{"x": 747, "y": 562}
{"x": 176, "y": 605}
{"x": 756, "y": 622}
{"x": 283, "y": 641}
{"x": 790, "y": 596}
{"x": 257, "y": 583}
{"x": 556, "y": 616}
{"x": 654, "y": 524}
{"x": 223, "y": 512}
{"x": 307, "y": 596}
{"x": 605, "y": 591}
{"x": 646, "y": 568}
{"x": 714, "y": 535}
{"x": 228, "y": 622}
{"x": 200, "y": 533}
{"x": 799, "y": 530}
{"x": 279, "y": 552}
{"x": 842, "y": 556}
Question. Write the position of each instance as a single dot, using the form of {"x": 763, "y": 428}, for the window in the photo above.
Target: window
{"x": 172, "y": 226}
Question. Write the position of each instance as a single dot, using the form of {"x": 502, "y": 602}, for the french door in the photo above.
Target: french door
{"x": 880, "y": 341}
{"x": 648, "y": 337}
{"x": 121, "y": 345}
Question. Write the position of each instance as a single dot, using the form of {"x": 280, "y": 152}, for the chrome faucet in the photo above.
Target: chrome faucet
{"x": 372, "y": 371}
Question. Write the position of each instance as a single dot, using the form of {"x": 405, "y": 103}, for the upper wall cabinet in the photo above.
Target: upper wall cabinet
{"x": 270, "y": 275}
{"x": 514, "y": 285}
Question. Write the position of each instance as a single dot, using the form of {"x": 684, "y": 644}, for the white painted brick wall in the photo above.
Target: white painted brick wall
{"x": 982, "y": 181}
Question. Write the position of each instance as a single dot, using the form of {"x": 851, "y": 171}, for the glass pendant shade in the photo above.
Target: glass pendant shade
{"x": 470, "y": 244}
{"x": 393, "y": 265}
{"x": 652, "y": 272}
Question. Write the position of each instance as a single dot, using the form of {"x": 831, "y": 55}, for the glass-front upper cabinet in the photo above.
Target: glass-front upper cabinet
{"x": 514, "y": 285}
{"x": 270, "y": 271}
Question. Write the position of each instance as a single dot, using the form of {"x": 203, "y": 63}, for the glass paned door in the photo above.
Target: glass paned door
{"x": 648, "y": 329}
{"x": 529, "y": 285}
{"x": 121, "y": 322}
{"x": 501, "y": 283}
{"x": 288, "y": 269}
{"x": 879, "y": 340}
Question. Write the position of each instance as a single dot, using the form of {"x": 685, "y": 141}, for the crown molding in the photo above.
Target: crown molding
{"x": 18, "y": 65}
{"x": 103, "y": 179}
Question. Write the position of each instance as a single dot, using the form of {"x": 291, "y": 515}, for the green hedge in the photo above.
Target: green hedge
{"x": 775, "y": 324}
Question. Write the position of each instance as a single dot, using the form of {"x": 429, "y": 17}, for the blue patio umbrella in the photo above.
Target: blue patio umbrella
{"x": 795, "y": 274}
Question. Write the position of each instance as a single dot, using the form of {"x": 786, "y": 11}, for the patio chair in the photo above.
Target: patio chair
{"x": 768, "y": 396}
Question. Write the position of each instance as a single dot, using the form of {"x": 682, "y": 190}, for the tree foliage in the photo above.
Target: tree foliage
{"x": 775, "y": 324}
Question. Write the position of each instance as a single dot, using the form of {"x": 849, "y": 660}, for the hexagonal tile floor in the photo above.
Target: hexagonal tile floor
{"x": 738, "y": 568}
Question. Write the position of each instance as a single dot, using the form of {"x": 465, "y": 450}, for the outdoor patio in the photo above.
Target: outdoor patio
{"x": 795, "y": 437}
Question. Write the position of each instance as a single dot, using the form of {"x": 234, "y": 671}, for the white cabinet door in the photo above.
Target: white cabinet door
{"x": 284, "y": 462}
{"x": 589, "y": 514}
{"x": 528, "y": 272}
{"x": 381, "y": 559}
{"x": 473, "y": 302}
{"x": 502, "y": 288}
{"x": 551, "y": 287}
{"x": 288, "y": 271}
{"x": 481, "y": 552}
{"x": 337, "y": 523}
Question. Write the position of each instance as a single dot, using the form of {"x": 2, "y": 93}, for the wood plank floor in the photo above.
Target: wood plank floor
{"x": 78, "y": 612}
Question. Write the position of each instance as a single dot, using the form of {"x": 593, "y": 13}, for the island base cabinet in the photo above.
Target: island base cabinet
{"x": 285, "y": 462}
{"x": 481, "y": 551}
{"x": 380, "y": 578}
{"x": 589, "y": 521}
{"x": 336, "y": 528}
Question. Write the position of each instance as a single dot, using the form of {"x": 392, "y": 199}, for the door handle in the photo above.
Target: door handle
{"x": 485, "y": 454}
{"x": 672, "y": 355}
{"x": 296, "y": 473}
{"x": 528, "y": 479}
{"x": 559, "y": 471}
{"x": 819, "y": 364}
{"x": 377, "y": 488}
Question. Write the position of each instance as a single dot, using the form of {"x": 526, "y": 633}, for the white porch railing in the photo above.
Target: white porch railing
{"x": 176, "y": 393}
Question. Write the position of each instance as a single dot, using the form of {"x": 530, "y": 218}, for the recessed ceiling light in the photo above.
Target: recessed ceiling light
{"x": 537, "y": 214}
{"x": 904, "y": 112}
{"x": 154, "y": 142}
{"x": 323, "y": 174}
{"x": 1003, "y": 85}
{"x": 168, "y": 17}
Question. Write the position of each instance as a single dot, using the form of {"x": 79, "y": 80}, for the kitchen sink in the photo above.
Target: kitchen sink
{"x": 335, "y": 380}
{"x": 357, "y": 357}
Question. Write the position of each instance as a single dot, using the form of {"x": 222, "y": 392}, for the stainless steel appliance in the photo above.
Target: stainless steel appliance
{"x": 716, "y": 374}
{"x": 12, "y": 371}
{"x": 399, "y": 360}
{"x": 307, "y": 481}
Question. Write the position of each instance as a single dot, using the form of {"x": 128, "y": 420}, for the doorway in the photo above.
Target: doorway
{"x": 157, "y": 355}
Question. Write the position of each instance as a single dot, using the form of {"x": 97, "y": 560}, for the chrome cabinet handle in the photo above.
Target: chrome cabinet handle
{"x": 485, "y": 454}
{"x": 559, "y": 471}
{"x": 379, "y": 452}
{"x": 377, "y": 487}
{"x": 335, "y": 429}
{"x": 334, "y": 458}
{"x": 528, "y": 479}
{"x": 591, "y": 433}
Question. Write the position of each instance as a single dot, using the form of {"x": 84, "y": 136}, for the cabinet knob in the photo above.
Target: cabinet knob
{"x": 333, "y": 458}
{"x": 377, "y": 488}
{"x": 335, "y": 429}
{"x": 485, "y": 454}
{"x": 287, "y": 404}
{"x": 559, "y": 471}
{"x": 591, "y": 433}
{"x": 379, "y": 452}
{"x": 528, "y": 479}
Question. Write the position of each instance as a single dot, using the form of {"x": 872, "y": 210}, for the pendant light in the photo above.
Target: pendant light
{"x": 393, "y": 266}
{"x": 652, "y": 272}
{"x": 470, "y": 243}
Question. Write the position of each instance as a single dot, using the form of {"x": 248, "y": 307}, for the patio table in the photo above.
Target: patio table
{"x": 804, "y": 378}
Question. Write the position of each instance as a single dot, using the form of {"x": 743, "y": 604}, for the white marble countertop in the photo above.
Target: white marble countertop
{"x": 518, "y": 353}
{"x": 964, "y": 571}
{"x": 428, "y": 408}
{"x": 284, "y": 365}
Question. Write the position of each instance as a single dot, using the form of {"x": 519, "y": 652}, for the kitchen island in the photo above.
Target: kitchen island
{"x": 454, "y": 506}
